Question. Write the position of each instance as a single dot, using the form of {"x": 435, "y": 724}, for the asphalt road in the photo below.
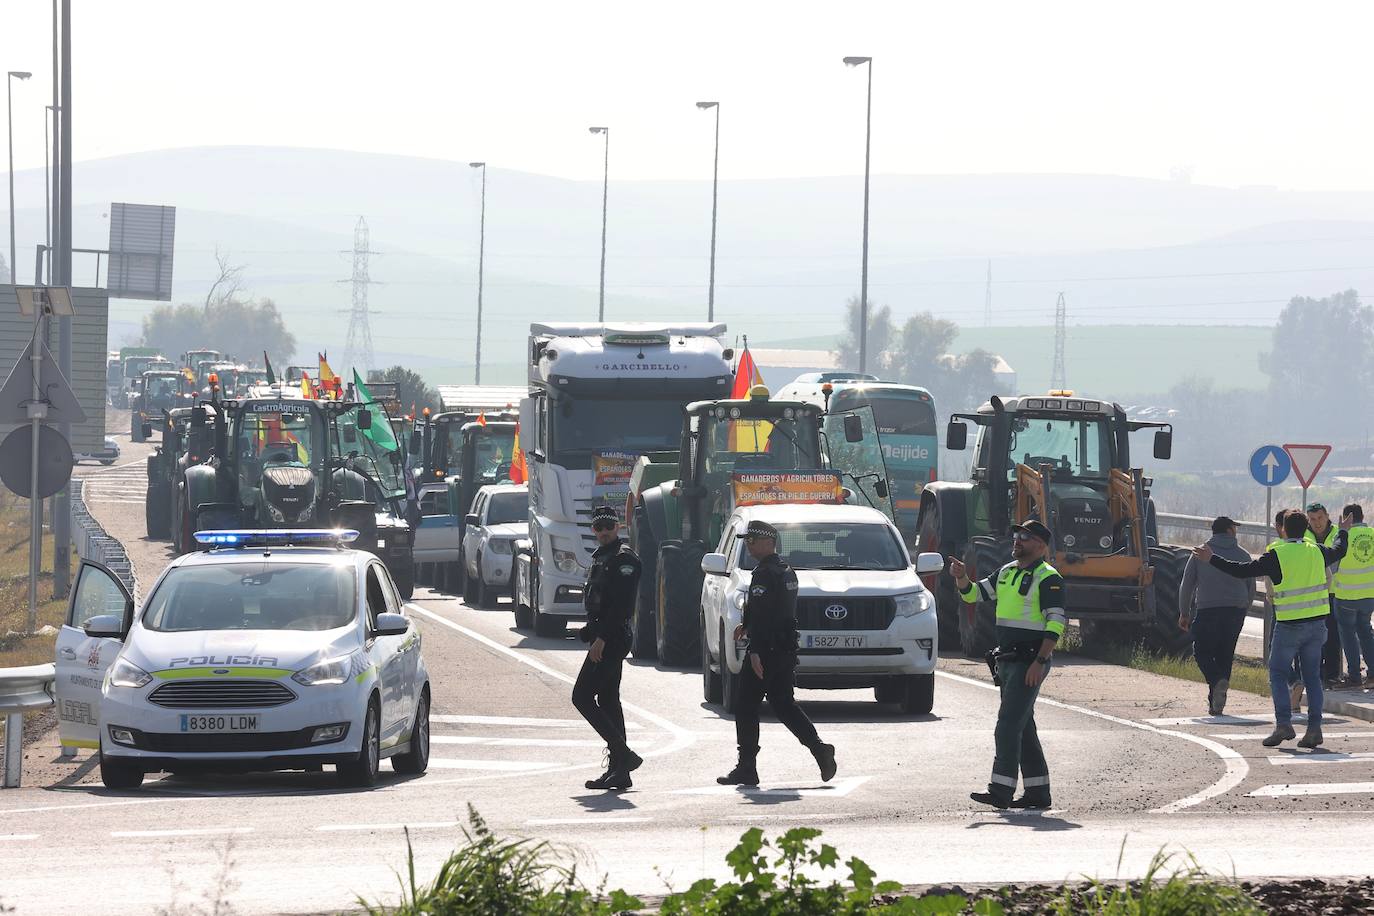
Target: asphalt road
{"x": 1134, "y": 770}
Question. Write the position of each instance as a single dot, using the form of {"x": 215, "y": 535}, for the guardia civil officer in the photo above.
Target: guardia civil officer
{"x": 612, "y": 584}
{"x": 770, "y": 625}
{"x": 1030, "y": 619}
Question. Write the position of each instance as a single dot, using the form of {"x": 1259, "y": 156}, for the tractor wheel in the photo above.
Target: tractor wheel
{"x": 679, "y": 603}
{"x": 643, "y": 642}
{"x": 947, "y": 603}
{"x": 978, "y": 622}
{"x": 1161, "y": 628}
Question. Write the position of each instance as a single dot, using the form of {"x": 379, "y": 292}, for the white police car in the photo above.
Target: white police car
{"x": 865, "y": 619}
{"x": 264, "y": 650}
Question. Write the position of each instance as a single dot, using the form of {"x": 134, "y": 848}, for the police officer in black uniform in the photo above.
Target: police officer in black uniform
{"x": 612, "y": 584}
{"x": 770, "y": 625}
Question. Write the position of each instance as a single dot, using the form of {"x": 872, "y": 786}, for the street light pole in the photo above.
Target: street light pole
{"x": 715, "y": 184}
{"x": 9, "y": 114}
{"x": 481, "y": 258}
{"x": 863, "y": 281}
{"x": 48, "y": 113}
{"x": 605, "y": 189}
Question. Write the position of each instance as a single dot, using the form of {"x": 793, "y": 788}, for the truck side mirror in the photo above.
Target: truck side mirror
{"x": 198, "y": 417}
{"x": 364, "y": 419}
{"x": 853, "y": 428}
{"x": 956, "y": 436}
{"x": 1164, "y": 444}
{"x": 880, "y": 487}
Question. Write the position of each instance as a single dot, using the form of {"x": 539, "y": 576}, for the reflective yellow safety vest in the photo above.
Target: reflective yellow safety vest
{"x": 1354, "y": 577}
{"x": 1302, "y": 594}
{"x": 1329, "y": 541}
{"x": 1017, "y": 592}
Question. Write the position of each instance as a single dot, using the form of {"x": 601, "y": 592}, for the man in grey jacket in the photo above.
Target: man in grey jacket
{"x": 1213, "y": 605}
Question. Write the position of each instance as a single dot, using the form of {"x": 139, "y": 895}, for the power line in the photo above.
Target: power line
{"x": 358, "y": 347}
{"x": 1057, "y": 379}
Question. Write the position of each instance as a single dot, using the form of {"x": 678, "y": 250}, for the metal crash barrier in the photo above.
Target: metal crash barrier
{"x": 22, "y": 689}
{"x": 93, "y": 543}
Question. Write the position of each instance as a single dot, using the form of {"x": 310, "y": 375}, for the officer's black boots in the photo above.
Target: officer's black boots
{"x": 610, "y": 768}
{"x": 745, "y": 772}
{"x": 990, "y": 798}
{"x": 617, "y": 775}
{"x": 825, "y": 759}
{"x": 1032, "y": 802}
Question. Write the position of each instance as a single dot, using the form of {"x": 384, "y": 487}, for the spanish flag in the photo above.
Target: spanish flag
{"x": 307, "y": 390}
{"x": 747, "y": 435}
{"x": 330, "y": 385}
{"x": 518, "y": 471}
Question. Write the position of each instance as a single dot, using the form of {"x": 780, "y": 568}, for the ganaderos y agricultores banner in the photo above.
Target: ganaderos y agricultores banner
{"x": 787, "y": 487}
{"x": 611, "y": 478}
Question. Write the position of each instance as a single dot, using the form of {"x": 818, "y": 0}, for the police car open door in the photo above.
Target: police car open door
{"x": 853, "y": 449}
{"x": 99, "y": 602}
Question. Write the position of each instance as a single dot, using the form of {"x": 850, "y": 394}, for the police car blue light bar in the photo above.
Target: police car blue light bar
{"x": 269, "y": 537}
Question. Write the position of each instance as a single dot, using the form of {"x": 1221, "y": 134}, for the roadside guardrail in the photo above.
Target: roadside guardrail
{"x": 1204, "y": 524}
{"x": 22, "y": 689}
{"x": 94, "y": 543}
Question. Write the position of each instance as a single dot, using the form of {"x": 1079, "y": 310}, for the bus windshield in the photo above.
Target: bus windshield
{"x": 905, "y": 417}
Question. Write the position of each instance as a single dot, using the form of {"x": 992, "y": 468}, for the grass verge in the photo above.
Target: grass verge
{"x": 16, "y": 648}
{"x": 1247, "y": 674}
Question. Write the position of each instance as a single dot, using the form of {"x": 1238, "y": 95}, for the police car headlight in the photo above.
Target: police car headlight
{"x": 275, "y": 514}
{"x": 126, "y": 674}
{"x": 565, "y": 560}
{"x": 499, "y": 546}
{"x": 322, "y": 674}
{"x": 913, "y": 603}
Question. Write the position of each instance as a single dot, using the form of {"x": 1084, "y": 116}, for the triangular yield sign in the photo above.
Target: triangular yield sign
{"x": 17, "y": 392}
{"x": 1307, "y": 460}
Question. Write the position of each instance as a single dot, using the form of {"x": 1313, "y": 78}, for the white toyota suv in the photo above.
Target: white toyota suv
{"x": 864, "y": 617}
{"x": 499, "y": 516}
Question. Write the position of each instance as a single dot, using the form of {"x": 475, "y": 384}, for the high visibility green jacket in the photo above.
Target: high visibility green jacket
{"x": 1027, "y": 599}
{"x": 1354, "y": 577}
{"x": 1302, "y": 592}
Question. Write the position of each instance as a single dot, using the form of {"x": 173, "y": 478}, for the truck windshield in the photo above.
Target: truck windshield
{"x": 1078, "y": 447}
{"x": 492, "y": 450}
{"x": 256, "y": 596}
{"x": 761, "y": 445}
{"x": 508, "y": 508}
{"x": 864, "y": 545}
{"x": 580, "y": 427}
{"x": 162, "y": 387}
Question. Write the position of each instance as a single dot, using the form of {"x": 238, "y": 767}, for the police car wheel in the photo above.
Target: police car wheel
{"x": 918, "y": 694}
{"x": 361, "y": 772}
{"x": 119, "y": 774}
{"x": 416, "y": 759}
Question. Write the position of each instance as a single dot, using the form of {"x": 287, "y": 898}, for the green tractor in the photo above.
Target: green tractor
{"x": 1066, "y": 461}
{"x": 178, "y": 450}
{"x": 678, "y": 501}
{"x": 290, "y": 462}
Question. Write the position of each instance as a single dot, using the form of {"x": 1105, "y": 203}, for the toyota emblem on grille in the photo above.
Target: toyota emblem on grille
{"x": 837, "y": 612}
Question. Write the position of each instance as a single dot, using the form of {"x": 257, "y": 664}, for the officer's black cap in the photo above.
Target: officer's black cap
{"x": 759, "y": 530}
{"x": 1035, "y": 528}
{"x": 604, "y": 514}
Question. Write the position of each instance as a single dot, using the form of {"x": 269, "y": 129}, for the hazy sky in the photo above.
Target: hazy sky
{"x": 1240, "y": 93}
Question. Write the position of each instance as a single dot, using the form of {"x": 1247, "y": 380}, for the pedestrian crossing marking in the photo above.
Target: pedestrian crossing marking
{"x": 837, "y": 789}
{"x": 1320, "y": 757}
{"x": 531, "y": 721}
{"x": 1326, "y": 788}
{"x": 521, "y": 742}
{"x": 1255, "y": 736}
{"x": 1237, "y": 720}
{"x": 510, "y": 766}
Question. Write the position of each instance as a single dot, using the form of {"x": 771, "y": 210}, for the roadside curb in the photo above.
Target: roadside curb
{"x": 1355, "y": 709}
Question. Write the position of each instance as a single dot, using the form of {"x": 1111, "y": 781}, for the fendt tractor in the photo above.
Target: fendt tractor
{"x": 1064, "y": 460}
{"x": 160, "y": 391}
{"x": 287, "y": 461}
{"x": 678, "y": 501}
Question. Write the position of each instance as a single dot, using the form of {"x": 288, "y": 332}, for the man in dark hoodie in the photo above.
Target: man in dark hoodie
{"x": 1213, "y": 606}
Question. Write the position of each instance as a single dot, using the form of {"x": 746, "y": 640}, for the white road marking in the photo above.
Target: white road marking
{"x": 530, "y": 721}
{"x": 1231, "y": 720}
{"x": 190, "y": 831}
{"x": 1320, "y": 757}
{"x": 837, "y": 789}
{"x": 513, "y": 766}
{"x": 17, "y": 836}
{"x": 682, "y": 738}
{"x": 590, "y": 819}
{"x": 1248, "y": 736}
{"x": 1237, "y": 769}
{"x": 431, "y": 825}
{"x": 1324, "y": 788}
{"x": 519, "y": 742}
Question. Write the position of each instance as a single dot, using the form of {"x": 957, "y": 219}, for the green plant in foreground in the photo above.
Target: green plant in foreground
{"x": 1188, "y": 889}
{"x": 489, "y": 875}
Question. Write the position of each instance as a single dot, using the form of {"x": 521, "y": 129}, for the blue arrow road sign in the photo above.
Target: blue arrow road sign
{"x": 1270, "y": 465}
